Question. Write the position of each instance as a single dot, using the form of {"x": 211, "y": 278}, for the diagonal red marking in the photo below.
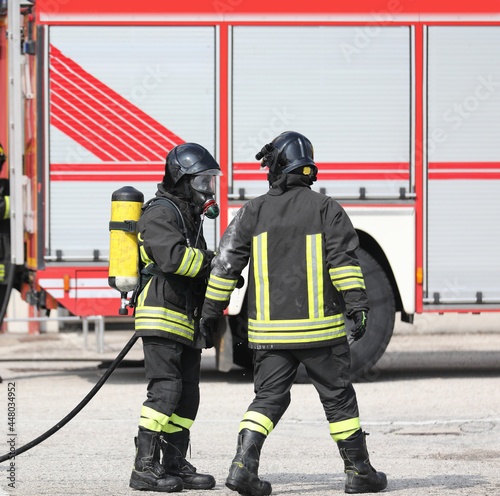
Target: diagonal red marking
{"x": 86, "y": 126}
{"x": 89, "y": 144}
{"x": 67, "y": 86}
{"x": 139, "y": 135}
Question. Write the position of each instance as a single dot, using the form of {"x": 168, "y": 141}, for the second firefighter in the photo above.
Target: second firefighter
{"x": 301, "y": 247}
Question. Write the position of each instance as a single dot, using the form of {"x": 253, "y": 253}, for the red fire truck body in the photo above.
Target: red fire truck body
{"x": 400, "y": 99}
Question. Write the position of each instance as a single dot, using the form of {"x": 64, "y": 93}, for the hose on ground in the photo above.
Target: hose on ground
{"x": 78, "y": 408}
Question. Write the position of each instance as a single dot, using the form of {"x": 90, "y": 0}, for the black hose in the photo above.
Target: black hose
{"x": 79, "y": 407}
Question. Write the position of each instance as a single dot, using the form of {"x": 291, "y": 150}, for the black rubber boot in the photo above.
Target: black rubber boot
{"x": 174, "y": 447}
{"x": 361, "y": 476}
{"x": 243, "y": 474}
{"x": 148, "y": 474}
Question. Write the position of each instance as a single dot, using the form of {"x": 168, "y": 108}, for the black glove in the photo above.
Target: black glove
{"x": 360, "y": 322}
{"x": 208, "y": 329}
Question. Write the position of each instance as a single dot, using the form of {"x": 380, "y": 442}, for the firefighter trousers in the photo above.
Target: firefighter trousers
{"x": 173, "y": 394}
{"x": 328, "y": 369}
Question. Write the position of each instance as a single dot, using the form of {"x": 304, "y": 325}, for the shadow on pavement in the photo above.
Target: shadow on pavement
{"x": 425, "y": 364}
{"x": 393, "y": 366}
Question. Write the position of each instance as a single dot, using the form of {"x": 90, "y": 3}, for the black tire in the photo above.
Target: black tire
{"x": 366, "y": 352}
{"x": 242, "y": 354}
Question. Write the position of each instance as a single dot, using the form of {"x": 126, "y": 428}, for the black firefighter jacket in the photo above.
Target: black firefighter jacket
{"x": 301, "y": 247}
{"x": 170, "y": 304}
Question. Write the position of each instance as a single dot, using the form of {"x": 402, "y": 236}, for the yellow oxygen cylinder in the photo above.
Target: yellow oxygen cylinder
{"x": 126, "y": 204}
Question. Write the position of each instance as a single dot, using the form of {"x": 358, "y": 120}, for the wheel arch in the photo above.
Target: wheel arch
{"x": 369, "y": 244}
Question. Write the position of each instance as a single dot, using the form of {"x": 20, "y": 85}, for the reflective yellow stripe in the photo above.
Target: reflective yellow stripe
{"x": 152, "y": 420}
{"x": 150, "y": 424}
{"x": 148, "y": 412}
{"x": 256, "y": 421}
{"x": 164, "y": 313}
{"x": 181, "y": 421}
{"x": 348, "y": 277}
{"x": 143, "y": 294}
{"x": 340, "y": 272}
{"x": 6, "y": 214}
{"x": 177, "y": 424}
{"x": 220, "y": 289}
{"x": 171, "y": 428}
{"x": 296, "y": 331}
{"x": 297, "y": 324}
{"x": 186, "y": 261}
{"x": 261, "y": 276}
{"x": 145, "y": 259}
{"x": 295, "y": 337}
{"x": 344, "y": 426}
{"x": 214, "y": 294}
{"x": 219, "y": 282}
{"x": 191, "y": 262}
{"x": 142, "y": 251}
{"x": 197, "y": 263}
{"x": 164, "y": 326}
{"x": 343, "y": 435}
{"x": 149, "y": 318}
{"x": 314, "y": 259}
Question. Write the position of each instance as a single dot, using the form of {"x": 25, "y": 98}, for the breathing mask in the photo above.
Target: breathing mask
{"x": 203, "y": 195}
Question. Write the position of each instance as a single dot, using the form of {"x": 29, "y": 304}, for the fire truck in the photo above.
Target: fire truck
{"x": 400, "y": 98}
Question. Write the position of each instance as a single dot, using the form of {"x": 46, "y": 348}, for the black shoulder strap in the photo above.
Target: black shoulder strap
{"x": 167, "y": 203}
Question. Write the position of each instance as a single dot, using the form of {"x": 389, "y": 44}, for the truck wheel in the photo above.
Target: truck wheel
{"x": 242, "y": 354}
{"x": 367, "y": 351}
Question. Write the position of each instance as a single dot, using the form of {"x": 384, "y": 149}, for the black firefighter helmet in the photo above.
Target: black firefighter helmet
{"x": 188, "y": 159}
{"x": 290, "y": 152}
{"x": 190, "y": 172}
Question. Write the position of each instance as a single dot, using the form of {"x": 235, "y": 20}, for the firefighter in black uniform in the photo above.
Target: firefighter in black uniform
{"x": 4, "y": 232}
{"x": 301, "y": 247}
{"x": 175, "y": 263}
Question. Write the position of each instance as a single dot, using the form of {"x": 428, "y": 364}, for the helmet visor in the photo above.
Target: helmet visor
{"x": 204, "y": 183}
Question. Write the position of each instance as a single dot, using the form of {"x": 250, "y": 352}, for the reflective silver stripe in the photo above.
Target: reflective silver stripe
{"x": 295, "y": 337}
{"x": 349, "y": 270}
{"x": 334, "y": 320}
{"x": 348, "y": 277}
{"x": 314, "y": 255}
{"x": 314, "y": 262}
{"x": 164, "y": 325}
{"x": 191, "y": 262}
{"x": 196, "y": 265}
{"x": 261, "y": 275}
{"x": 218, "y": 282}
{"x": 220, "y": 289}
{"x": 214, "y": 294}
{"x": 162, "y": 313}
{"x": 164, "y": 319}
{"x": 350, "y": 284}
{"x": 186, "y": 260}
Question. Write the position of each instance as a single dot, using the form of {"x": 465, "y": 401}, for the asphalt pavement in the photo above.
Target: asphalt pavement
{"x": 431, "y": 407}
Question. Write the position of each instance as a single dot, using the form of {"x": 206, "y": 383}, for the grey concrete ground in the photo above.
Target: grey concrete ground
{"x": 432, "y": 410}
